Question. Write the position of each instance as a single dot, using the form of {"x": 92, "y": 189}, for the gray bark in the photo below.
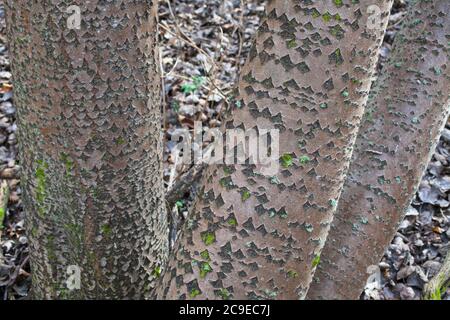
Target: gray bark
{"x": 408, "y": 108}
{"x": 90, "y": 144}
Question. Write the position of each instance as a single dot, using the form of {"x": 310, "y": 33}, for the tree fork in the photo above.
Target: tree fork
{"x": 408, "y": 108}
{"x": 90, "y": 144}
{"x": 258, "y": 236}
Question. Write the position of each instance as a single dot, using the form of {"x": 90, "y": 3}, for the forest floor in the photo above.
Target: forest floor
{"x": 203, "y": 45}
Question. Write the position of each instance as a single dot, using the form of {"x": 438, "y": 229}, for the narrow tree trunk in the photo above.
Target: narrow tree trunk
{"x": 440, "y": 282}
{"x": 260, "y": 236}
{"x": 403, "y": 120}
{"x": 90, "y": 145}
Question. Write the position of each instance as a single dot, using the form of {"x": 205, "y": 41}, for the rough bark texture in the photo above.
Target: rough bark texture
{"x": 404, "y": 116}
{"x": 4, "y": 198}
{"x": 308, "y": 75}
{"x": 440, "y": 282}
{"x": 89, "y": 124}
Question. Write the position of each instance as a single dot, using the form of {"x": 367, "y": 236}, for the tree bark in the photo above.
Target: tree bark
{"x": 259, "y": 236}
{"x": 408, "y": 108}
{"x": 440, "y": 282}
{"x": 90, "y": 144}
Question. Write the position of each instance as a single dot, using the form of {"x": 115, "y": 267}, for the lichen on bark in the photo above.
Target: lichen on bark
{"x": 308, "y": 75}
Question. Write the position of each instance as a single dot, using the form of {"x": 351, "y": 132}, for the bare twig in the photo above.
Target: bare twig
{"x": 163, "y": 89}
{"x": 240, "y": 31}
{"x": 182, "y": 36}
{"x": 438, "y": 285}
{"x": 375, "y": 152}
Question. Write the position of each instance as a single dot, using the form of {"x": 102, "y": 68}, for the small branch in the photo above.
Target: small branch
{"x": 182, "y": 36}
{"x": 439, "y": 284}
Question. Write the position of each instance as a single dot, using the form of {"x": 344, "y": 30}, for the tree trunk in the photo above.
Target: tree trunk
{"x": 407, "y": 110}
{"x": 258, "y": 235}
{"x": 90, "y": 144}
{"x": 440, "y": 282}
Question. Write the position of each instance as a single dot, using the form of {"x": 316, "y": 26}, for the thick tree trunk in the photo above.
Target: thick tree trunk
{"x": 254, "y": 235}
{"x": 440, "y": 282}
{"x": 89, "y": 122}
{"x": 403, "y": 119}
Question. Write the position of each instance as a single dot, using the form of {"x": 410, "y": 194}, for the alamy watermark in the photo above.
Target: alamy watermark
{"x": 374, "y": 20}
